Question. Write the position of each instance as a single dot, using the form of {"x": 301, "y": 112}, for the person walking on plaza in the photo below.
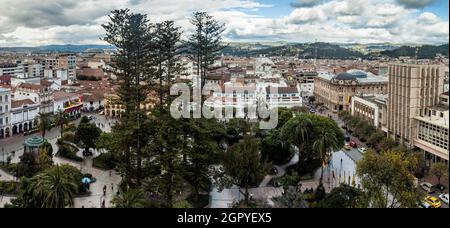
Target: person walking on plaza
{"x": 104, "y": 190}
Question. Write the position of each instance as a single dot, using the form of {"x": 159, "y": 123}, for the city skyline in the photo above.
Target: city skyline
{"x": 27, "y": 23}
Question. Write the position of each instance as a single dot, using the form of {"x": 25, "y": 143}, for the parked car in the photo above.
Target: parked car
{"x": 427, "y": 187}
{"x": 362, "y": 150}
{"x": 424, "y": 204}
{"x": 439, "y": 187}
{"x": 444, "y": 198}
{"x": 347, "y": 146}
{"x": 353, "y": 144}
{"x": 433, "y": 201}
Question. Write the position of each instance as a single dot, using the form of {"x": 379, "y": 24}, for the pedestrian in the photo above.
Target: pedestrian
{"x": 112, "y": 187}
{"x": 103, "y": 203}
{"x": 110, "y": 172}
{"x": 104, "y": 190}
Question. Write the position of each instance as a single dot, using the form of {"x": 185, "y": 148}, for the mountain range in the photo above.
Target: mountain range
{"x": 340, "y": 51}
{"x": 302, "y": 50}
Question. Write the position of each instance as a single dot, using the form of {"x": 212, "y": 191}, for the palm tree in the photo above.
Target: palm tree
{"x": 297, "y": 131}
{"x": 325, "y": 144}
{"x": 44, "y": 123}
{"x": 54, "y": 188}
{"x": 62, "y": 119}
{"x": 132, "y": 198}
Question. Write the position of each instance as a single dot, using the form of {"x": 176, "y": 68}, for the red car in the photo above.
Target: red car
{"x": 353, "y": 144}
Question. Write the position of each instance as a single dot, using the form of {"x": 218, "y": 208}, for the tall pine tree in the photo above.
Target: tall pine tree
{"x": 132, "y": 35}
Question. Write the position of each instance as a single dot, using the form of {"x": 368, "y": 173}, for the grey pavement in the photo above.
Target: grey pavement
{"x": 281, "y": 171}
{"x": 5, "y": 200}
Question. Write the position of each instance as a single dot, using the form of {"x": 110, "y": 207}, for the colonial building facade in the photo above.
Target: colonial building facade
{"x": 337, "y": 91}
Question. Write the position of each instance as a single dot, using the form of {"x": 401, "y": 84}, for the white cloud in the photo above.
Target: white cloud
{"x": 30, "y": 23}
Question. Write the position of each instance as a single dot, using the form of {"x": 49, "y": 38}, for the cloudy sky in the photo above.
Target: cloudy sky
{"x": 33, "y": 23}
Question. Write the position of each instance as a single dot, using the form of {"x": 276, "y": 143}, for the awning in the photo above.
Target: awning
{"x": 73, "y": 108}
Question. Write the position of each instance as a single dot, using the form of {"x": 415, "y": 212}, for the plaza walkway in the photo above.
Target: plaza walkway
{"x": 107, "y": 178}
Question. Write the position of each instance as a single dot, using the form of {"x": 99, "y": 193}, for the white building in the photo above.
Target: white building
{"x": 240, "y": 96}
{"x": 37, "y": 93}
{"x": 70, "y": 103}
{"x": 24, "y": 113}
{"x": 5, "y": 105}
{"x": 371, "y": 108}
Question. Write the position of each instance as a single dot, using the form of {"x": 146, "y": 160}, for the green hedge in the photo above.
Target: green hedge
{"x": 9, "y": 168}
{"x": 69, "y": 152}
{"x": 8, "y": 187}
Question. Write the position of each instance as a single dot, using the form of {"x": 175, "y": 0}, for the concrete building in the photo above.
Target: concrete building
{"x": 336, "y": 91}
{"x": 432, "y": 131}
{"x": 5, "y": 119}
{"x": 69, "y": 63}
{"x": 412, "y": 89}
{"x": 305, "y": 81}
{"x": 12, "y": 69}
{"x": 371, "y": 108}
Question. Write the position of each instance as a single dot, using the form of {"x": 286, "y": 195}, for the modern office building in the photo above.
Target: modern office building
{"x": 431, "y": 133}
{"x": 412, "y": 89}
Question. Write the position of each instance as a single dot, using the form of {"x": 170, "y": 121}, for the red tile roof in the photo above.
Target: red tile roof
{"x": 33, "y": 87}
{"x": 20, "y": 103}
{"x": 61, "y": 95}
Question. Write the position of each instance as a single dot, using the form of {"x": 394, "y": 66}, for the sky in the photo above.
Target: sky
{"x": 35, "y": 23}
